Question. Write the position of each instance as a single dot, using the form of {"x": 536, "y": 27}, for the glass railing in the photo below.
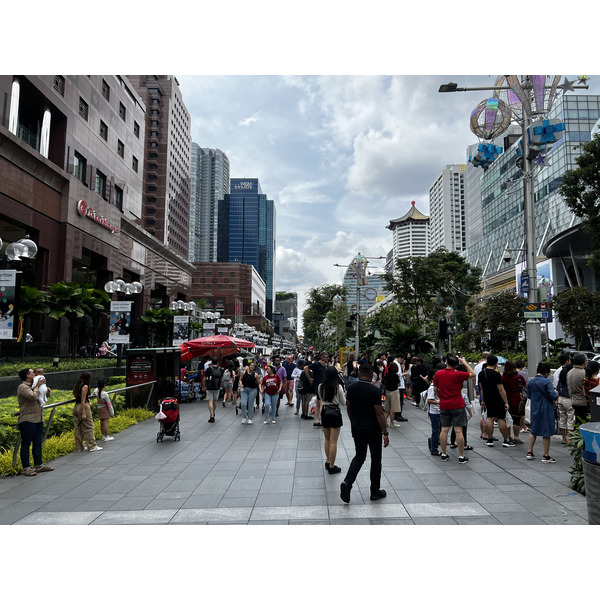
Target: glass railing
{"x": 28, "y": 137}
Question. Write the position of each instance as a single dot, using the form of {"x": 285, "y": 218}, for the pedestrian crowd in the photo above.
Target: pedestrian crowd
{"x": 374, "y": 393}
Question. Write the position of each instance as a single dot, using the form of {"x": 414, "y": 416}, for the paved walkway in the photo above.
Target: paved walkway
{"x": 232, "y": 473}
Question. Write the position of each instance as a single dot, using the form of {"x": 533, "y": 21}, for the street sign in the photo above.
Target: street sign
{"x": 537, "y": 310}
{"x": 524, "y": 284}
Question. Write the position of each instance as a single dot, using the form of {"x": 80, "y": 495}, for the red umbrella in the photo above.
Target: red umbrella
{"x": 225, "y": 344}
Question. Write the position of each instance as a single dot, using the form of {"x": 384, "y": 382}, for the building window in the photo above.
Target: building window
{"x": 105, "y": 90}
{"x": 150, "y": 222}
{"x": 59, "y": 84}
{"x": 120, "y": 148}
{"x": 100, "y": 186}
{"x": 151, "y": 198}
{"x": 134, "y": 163}
{"x": 232, "y": 274}
{"x": 122, "y": 111}
{"x": 208, "y": 274}
{"x": 118, "y": 197}
{"x": 83, "y": 108}
{"x": 103, "y": 130}
{"x": 151, "y": 188}
{"x": 79, "y": 167}
{"x": 153, "y": 144}
{"x": 136, "y": 129}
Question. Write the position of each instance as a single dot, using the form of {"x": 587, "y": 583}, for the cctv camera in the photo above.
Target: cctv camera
{"x": 506, "y": 256}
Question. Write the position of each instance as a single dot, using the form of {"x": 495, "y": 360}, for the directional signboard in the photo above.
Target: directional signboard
{"x": 537, "y": 310}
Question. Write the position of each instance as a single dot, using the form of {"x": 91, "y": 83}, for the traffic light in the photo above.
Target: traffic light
{"x": 442, "y": 328}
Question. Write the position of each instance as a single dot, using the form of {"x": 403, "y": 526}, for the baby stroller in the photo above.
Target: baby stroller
{"x": 170, "y": 424}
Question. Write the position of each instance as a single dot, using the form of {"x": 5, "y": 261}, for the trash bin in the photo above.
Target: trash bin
{"x": 590, "y": 456}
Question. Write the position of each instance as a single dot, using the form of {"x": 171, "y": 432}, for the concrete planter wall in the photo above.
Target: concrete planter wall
{"x": 62, "y": 380}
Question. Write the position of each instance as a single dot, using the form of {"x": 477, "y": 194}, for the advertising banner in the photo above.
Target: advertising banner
{"x": 181, "y": 329}
{"x": 8, "y": 308}
{"x": 120, "y": 322}
{"x": 208, "y": 328}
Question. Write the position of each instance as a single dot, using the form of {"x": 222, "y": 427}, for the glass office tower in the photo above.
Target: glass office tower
{"x": 247, "y": 232}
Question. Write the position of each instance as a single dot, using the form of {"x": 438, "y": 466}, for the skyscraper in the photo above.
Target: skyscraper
{"x": 447, "y": 210}
{"x": 247, "y": 232}
{"x": 209, "y": 183}
{"x": 167, "y": 160}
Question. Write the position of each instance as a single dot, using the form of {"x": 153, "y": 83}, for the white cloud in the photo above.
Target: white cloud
{"x": 249, "y": 120}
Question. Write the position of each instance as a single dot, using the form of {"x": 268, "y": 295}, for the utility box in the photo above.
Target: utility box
{"x": 145, "y": 365}
{"x": 595, "y": 404}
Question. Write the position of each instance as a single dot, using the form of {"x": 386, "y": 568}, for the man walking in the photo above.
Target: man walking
{"x": 289, "y": 366}
{"x": 447, "y": 386}
{"x": 315, "y": 373}
{"x": 213, "y": 379}
{"x": 494, "y": 401}
{"x": 367, "y": 419}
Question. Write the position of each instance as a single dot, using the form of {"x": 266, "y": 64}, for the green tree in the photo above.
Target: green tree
{"x": 159, "y": 325}
{"x": 403, "y": 338}
{"x": 580, "y": 188}
{"x": 319, "y": 301}
{"x": 503, "y": 316}
{"x": 74, "y": 301}
{"x": 577, "y": 310}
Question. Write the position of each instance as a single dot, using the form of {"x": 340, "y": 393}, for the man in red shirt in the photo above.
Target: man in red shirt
{"x": 447, "y": 386}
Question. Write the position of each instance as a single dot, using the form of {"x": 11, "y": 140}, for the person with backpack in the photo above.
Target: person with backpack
{"x": 213, "y": 380}
{"x": 228, "y": 379}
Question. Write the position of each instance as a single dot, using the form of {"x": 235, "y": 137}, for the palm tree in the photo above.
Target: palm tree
{"x": 31, "y": 302}
{"x": 403, "y": 337}
{"x": 159, "y": 323}
{"x": 75, "y": 301}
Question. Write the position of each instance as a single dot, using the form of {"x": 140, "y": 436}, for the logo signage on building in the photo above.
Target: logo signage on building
{"x": 85, "y": 210}
{"x": 243, "y": 185}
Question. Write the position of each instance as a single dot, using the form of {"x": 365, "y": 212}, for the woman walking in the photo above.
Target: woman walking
{"x": 391, "y": 382}
{"x": 83, "y": 423}
{"x": 514, "y": 386}
{"x": 250, "y": 382}
{"x": 105, "y": 410}
{"x": 270, "y": 386}
{"x": 331, "y": 394}
{"x": 228, "y": 379}
{"x": 543, "y": 398}
{"x": 351, "y": 369}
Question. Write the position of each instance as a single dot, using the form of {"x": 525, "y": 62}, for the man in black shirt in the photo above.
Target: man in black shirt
{"x": 366, "y": 415}
{"x": 493, "y": 400}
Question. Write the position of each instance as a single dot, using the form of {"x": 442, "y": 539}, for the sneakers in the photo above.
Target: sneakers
{"x": 249, "y": 421}
{"x": 95, "y": 448}
{"x": 462, "y": 460}
{"x": 508, "y": 444}
{"x": 273, "y": 421}
{"x": 401, "y": 420}
{"x": 444, "y": 457}
{"x": 265, "y": 421}
{"x": 211, "y": 420}
{"x": 345, "y": 491}
{"x": 317, "y": 425}
{"x": 378, "y": 495}
{"x": 245, "y": 420}
{"x": 489, "y": 443}
{"x": 548, "y": 459}
{"x": 107, "y": 438}
{"x": 333, "y": 470}
{"x": 530, "y": 456}
{"x": 436, "y": 453}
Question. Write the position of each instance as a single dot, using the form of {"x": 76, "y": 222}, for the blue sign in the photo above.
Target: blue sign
{"x": 524, "y": 283}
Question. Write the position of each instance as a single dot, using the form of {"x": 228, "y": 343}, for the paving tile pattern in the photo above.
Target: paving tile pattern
{"x": 231, "y": 473}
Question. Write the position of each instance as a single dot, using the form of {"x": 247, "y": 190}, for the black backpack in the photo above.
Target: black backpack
{"x": 213, "y": 378}
{"x": 305, "y": 385}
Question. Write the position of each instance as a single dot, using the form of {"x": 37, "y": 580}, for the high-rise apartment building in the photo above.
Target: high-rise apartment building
{"x": 447, "y": 221}
{"x": 410, "y": 234}
{"x": 209, "y": 184}
{"x": 167, "y": 161}
{"x": 247, "y": 232}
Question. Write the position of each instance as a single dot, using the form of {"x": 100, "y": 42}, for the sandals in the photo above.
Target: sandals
{"x": 468, "y": 447}
{"x": 29, "y": 472}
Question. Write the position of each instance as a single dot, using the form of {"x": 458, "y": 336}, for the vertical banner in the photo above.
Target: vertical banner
{"x": 208, "y": 328}
{"x": 8, "y": 305}
{"x": 120, "y": 322}
{"x": 181, "y": 329}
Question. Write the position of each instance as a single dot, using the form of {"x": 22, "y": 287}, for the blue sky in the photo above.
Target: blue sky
{"x": 340, "y": 155}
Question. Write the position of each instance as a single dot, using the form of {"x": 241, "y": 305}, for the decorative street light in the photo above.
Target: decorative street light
{"x": 529, "y": 98}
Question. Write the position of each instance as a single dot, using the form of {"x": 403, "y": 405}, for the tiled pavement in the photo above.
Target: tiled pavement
{"x": 230, "y": 473}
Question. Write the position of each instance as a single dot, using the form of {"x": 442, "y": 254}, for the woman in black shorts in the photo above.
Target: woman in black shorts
{"x": 331, "y": 394}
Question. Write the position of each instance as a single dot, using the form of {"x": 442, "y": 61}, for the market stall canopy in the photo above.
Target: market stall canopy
{"x": 205, "y": 346}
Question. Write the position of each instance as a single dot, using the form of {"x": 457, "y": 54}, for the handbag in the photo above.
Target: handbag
{"x": 332, "y": 410}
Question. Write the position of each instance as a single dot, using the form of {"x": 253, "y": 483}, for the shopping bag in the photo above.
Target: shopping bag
{"x": 509, "y": 420}
{"x": 312, "y": 406}
{"x": 160, "y": 415}
{"x": 528, "y": 412}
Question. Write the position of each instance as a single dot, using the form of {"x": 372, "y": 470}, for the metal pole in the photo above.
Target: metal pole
{"x": 357, "y": 340}
{"x": 532, "y": 327}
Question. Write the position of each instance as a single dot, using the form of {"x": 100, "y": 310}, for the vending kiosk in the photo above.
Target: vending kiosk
{"x": 144, "y": 365}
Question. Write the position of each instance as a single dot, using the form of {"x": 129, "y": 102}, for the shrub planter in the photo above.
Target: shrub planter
{"x": 591, "y": 476}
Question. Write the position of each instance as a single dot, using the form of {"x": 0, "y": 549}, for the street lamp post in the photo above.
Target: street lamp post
{"x": 525, "y": 89}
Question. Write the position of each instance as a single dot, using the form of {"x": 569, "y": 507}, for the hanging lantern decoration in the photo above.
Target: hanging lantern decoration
{"x": 490, "y": 118}
{"x": 509, "y": 97}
